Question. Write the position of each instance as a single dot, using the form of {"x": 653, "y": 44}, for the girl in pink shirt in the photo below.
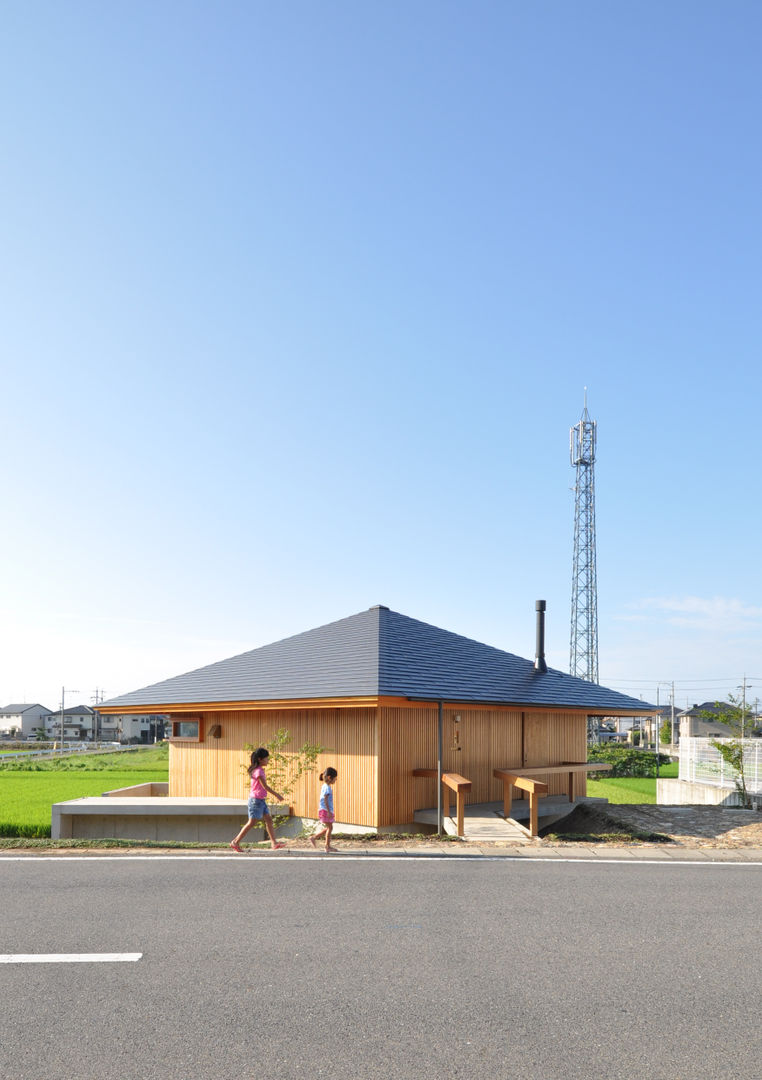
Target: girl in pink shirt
{"x": 257, "y": 800}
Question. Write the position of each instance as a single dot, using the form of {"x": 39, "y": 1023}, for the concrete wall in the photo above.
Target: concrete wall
{"x": 130, "y": 815}
{"x": 684, "y": 793}
{"x": 140, "y": 791}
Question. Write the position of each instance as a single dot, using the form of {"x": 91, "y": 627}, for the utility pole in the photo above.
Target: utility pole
{"x": 63, "y": 697}
{"x": 97, "y": 698}
{"x": 743, "y": 707}
{"x": 583, "y": 652}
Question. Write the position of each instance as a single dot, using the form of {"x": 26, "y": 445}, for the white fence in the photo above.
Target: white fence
{"x": 702, "y": 763}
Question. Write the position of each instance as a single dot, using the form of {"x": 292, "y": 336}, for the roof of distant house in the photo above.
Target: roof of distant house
{"x": 16, "y": 709}
{"x": 714, "y": 708}
{"x": 381, "y": 653}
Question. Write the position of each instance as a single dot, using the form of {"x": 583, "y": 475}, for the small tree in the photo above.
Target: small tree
{"x": 285, "y": 768}
{"x": 665, "y": 732}
{"x": 737, "y": 716}
{"x": 732, "y": 753}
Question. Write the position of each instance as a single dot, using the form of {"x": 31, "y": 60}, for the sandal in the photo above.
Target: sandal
{"x": 236, "y": 846}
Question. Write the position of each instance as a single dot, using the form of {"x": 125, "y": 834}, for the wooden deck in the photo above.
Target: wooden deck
{"x": 487, "y": 823}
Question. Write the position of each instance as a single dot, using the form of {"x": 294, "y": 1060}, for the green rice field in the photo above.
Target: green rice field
{"x": 29, "y": 789}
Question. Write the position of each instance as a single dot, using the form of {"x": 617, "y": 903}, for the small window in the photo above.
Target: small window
{"x": 189, "y": 729}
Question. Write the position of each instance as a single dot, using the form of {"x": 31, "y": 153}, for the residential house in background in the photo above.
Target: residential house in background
{"x": 23, "y": 719}
{"x": 697, "y": 722}
{"x": 83, "y": 724}
{"x": 129, "y": 728}
{"x": 80, "y": 722}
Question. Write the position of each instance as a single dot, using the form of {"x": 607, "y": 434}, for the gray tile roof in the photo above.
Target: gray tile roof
{"x": 15, "y": 709}
{"x": 380, "y": 652}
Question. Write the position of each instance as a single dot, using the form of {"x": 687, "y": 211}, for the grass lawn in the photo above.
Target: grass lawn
{"x": 629, "y": 789}
{"x": 27, "y": 793}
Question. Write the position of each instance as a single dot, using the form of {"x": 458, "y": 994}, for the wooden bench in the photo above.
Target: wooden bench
{"x": 451, "y": 782}
{"x": 524, "y": 780}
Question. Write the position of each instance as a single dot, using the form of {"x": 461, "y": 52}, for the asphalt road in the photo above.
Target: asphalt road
{"x": 342, "y": 967}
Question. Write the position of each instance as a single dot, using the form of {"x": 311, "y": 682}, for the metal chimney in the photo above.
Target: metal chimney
{"x": 539, "y": 658}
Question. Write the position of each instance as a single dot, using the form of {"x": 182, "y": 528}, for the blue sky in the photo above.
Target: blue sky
{"x": 299, "y": 302}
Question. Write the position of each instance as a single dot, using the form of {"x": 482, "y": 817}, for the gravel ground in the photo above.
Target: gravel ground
{"x": 694, "y": 826}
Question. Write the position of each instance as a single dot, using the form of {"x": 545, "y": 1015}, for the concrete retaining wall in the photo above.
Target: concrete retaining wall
{"x": 685, "y": 793}
{"x": 139, "y": 791}
{"x": 134, "y": 814}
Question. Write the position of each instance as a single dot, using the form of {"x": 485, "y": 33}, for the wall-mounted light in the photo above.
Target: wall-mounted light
{"x": 215, "y": 731}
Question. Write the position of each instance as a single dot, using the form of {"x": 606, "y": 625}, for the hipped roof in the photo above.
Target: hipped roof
{"x": 380, "y": 653}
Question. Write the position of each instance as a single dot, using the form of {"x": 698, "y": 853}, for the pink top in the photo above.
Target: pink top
{"x": 258, "y": 790}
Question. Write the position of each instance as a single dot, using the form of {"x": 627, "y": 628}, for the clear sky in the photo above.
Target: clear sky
{"x": 299, "y": 302}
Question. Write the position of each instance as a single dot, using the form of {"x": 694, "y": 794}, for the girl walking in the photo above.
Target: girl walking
{"x": 325, "y": 813}
{"x": 257, "y": 796}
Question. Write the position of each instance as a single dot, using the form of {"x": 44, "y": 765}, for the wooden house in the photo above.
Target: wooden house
{"x": 386, "y": 695}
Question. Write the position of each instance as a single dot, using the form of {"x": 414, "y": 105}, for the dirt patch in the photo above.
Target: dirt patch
{"x": 590, "y": 824}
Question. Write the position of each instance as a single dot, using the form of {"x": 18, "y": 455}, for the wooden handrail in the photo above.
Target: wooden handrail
{"x": 536, "y": 788}
{"x": 457, "y": 783}
{"x": 522, "y": 778}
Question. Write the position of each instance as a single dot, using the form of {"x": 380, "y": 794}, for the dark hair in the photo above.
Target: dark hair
{"x": 257, "y": 758}
{"x": 329, "y": 774}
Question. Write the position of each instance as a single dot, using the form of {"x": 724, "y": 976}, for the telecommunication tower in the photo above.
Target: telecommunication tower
{"x": 583, "y": 661}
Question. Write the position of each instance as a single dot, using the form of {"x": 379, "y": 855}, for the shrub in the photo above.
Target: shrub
{"x": 626, "y": 761}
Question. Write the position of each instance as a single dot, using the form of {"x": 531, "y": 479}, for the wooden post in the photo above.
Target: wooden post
{"x": 445, "y": 800}
{"x": 460, "y": 803}
{"x": 533, "y": 797}
{"x": 507, "y": 797}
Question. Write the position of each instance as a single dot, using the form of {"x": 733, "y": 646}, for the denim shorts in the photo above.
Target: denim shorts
{"x": 257, "y": 808}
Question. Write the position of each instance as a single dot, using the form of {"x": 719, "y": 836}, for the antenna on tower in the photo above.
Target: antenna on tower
{"x": 583, "y": 656}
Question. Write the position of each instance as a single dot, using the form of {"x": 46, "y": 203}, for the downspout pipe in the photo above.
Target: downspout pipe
{"x": 440, "y": 814}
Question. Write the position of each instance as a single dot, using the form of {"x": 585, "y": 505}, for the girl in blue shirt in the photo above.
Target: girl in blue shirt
{"x": 325, "y": 813}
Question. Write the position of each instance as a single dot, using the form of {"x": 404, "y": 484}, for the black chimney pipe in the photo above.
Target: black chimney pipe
{"x": 539, "y": 659}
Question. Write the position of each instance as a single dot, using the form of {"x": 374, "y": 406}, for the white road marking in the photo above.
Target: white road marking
{"x": 70, "y": 958}
{"x": 337, "y": 859}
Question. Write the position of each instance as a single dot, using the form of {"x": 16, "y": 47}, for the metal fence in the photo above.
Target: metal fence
{"x": 702, "y": 763}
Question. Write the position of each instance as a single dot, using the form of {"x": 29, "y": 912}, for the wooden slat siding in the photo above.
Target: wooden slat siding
{"x": 552, "y": 738}
{"x": 408, "y": 740}
{"x": 505, "y": 745}
{"x": 399, "y": 738}
{"x": 217, "y": 766}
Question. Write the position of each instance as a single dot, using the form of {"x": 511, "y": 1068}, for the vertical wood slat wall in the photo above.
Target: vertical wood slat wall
{"x": 375, "y": 751}
{"x": 216, "y": 767}
{"x": 488, "y": 739}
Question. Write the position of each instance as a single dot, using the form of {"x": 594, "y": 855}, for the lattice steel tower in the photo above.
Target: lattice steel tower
{"x": 583, "y": 660}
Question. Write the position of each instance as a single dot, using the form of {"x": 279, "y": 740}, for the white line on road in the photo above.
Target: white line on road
{"x": 336, "y": 860}
{"x": 70, "y": 958}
